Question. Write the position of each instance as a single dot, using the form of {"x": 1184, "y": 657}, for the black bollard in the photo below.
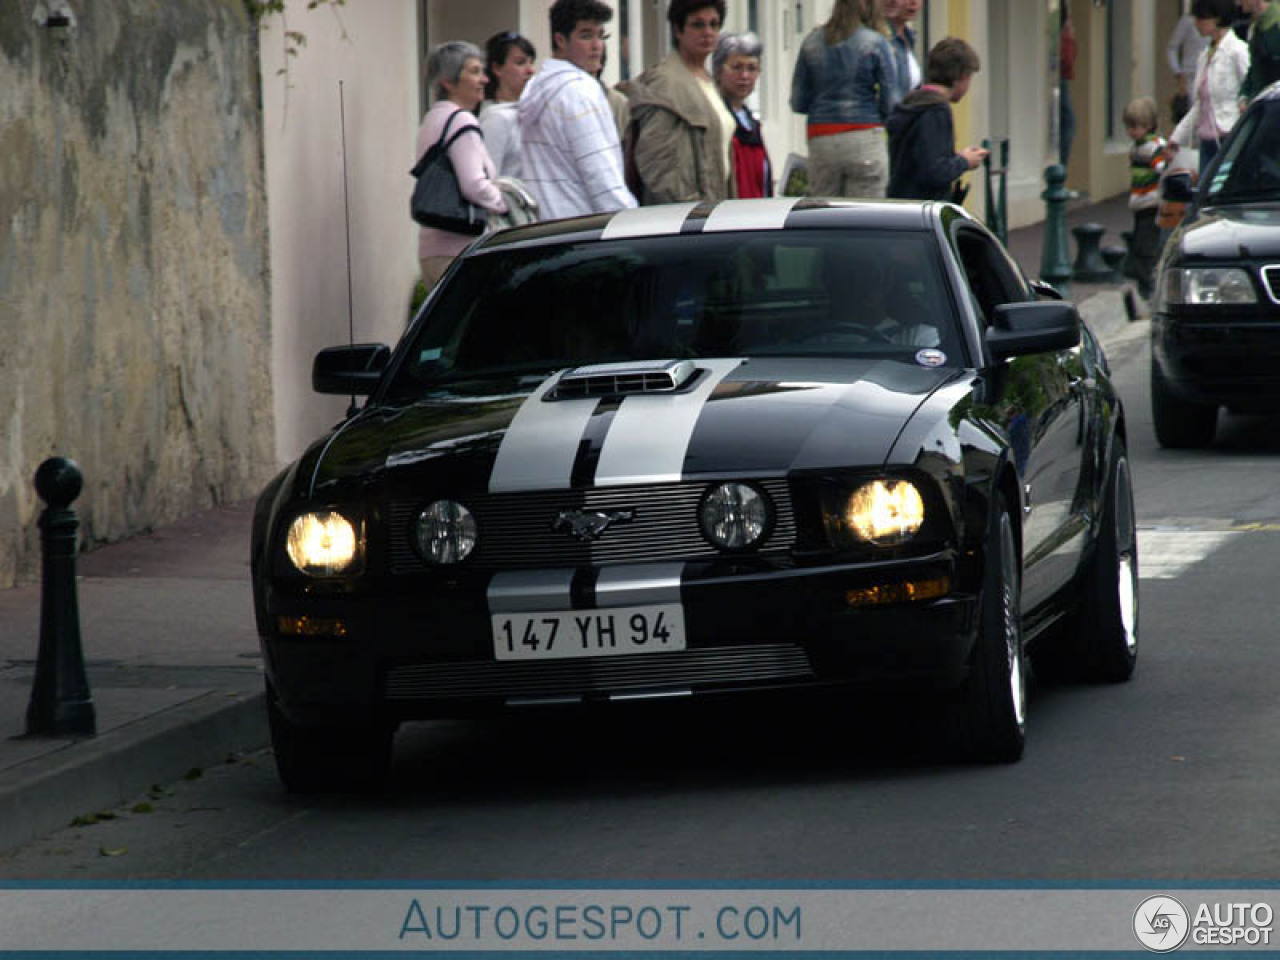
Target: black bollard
{"x": 60, "y": 701}
{"x": 1114, "y": 256}
{"x": 1089, "y": 266}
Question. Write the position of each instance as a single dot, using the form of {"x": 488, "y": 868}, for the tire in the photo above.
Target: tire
{"x": 328, "y": 760}
{"x": 1180, "y": 424}
{"x": 1107, "y": 625}
{"x": 992, "y": 709}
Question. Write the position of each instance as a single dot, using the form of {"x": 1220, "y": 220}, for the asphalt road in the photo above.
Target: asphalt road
{"x": 1170, "y": 777}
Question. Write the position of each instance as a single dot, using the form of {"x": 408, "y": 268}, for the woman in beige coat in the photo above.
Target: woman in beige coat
{"x": 681, "y": 131}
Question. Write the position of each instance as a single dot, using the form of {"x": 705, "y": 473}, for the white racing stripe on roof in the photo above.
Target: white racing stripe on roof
{"x": 647, "y": 221}
{"x": 538, "y": 449}
{"x": 650, "y": 433}
{"x": 768, "y": 214}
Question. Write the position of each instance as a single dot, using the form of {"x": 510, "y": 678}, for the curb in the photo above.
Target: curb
{"x": 99, "y": 773}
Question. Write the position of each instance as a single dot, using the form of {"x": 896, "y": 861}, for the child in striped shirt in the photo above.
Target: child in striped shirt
{"x": 1146, "y": 162}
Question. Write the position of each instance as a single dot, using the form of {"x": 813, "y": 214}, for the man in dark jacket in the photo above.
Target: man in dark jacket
{"x": 923, "y": 161}
{"x": 1263, "y": 37}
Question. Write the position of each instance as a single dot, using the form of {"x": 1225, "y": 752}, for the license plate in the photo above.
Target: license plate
{"x": 559, "y": 634}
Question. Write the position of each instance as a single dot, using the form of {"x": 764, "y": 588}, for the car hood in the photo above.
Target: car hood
{"x": 1232, "y": 232}
{"x": 759, "y": 417}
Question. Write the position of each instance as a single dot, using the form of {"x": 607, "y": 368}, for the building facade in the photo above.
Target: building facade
{"x": 340, "y": 129}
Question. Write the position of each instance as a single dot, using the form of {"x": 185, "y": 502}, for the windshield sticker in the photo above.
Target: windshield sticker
{"x": 426, "y": 356}
{"x": 930, "y": 357}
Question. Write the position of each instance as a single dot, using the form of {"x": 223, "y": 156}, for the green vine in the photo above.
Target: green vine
{"x": 293, "y": 40}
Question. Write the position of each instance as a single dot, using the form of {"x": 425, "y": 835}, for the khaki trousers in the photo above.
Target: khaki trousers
{"x": 850, "y": 164}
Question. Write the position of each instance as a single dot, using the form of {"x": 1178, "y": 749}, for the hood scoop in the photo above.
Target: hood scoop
{"x": 619, "y": 379}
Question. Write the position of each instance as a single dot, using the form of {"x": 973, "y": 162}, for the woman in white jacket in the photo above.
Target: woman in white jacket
{"x": 1215, "y": 93}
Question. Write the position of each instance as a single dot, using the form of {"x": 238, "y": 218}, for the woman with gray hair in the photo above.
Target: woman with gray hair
{"x": 735, "y": 67}
{"x": 455, "y": 71}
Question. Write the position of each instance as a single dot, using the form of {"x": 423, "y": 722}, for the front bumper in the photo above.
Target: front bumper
{"x": 416, "y": 648}
{"x": 1224, "y": 359}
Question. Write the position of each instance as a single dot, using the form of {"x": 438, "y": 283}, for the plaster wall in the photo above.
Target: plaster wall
{"x": 134, "y": 312}
{"x": 358, "y": 73}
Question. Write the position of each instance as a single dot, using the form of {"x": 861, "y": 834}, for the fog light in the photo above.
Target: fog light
{"x": 898, "y": 592}
{"x": 311, "y": 627}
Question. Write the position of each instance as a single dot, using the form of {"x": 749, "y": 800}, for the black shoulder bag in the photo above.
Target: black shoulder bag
{"x": 437, "y": 199}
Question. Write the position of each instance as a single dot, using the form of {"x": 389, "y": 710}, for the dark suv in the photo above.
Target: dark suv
{"x": 1215, "y": 331}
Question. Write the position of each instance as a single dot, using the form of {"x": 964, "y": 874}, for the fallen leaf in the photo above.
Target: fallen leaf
{"x": 112, "y": 851}
{"x": 195, "y": 773}
{"x": 143, "y": 807}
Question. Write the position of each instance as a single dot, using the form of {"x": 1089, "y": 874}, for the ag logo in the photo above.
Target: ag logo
{"x": 1161, "y": 924}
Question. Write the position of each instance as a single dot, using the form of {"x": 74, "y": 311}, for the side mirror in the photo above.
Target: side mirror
{"x": 354, "y": 369}
{"x": 1040, "y": 327}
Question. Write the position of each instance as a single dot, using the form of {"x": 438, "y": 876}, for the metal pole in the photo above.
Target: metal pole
{"x": 60, "y": 702}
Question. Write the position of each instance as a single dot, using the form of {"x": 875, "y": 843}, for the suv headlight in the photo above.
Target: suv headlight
{"x": 885, "y": 512}
{"x": 324, "y": 543}
{"x": 1207, "y": 286}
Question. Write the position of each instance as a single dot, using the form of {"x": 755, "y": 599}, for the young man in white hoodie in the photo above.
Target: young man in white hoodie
{"x": 569, "y": 142}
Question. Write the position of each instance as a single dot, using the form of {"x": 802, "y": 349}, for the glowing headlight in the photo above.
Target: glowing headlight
{"x": 446, "y": 532}
{"x": 734, "y": 516}
{"x": 885, "y": 512}
{"x": 322, "y": 544}
{"x": 1203, "y": 286}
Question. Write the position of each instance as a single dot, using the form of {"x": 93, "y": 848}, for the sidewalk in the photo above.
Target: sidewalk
{"x": 168, "y": 634}
{"x": 171, "y": 651}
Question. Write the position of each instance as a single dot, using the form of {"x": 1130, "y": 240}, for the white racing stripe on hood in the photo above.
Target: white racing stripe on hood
{"x": 538, "y": 449}
{"x": 647, "y": 221}
{"x": 769, "y": 214}
{"x": 649, "y": 436}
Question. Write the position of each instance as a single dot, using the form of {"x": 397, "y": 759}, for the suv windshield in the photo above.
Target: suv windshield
{"x": 1250, "y": 166}
{"x": 820, "y": 293}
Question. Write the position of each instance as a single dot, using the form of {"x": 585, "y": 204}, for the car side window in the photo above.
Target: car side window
{"x": 992, "y": 277}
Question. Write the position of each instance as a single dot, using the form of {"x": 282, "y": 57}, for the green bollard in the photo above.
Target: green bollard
{"x": 1055, "y": 261}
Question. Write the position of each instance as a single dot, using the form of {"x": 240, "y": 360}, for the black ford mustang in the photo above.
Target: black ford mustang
{"x": 702, "y": 449}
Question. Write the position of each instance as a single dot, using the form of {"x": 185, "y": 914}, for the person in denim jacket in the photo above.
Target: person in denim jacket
{"x": 845, "y": 80}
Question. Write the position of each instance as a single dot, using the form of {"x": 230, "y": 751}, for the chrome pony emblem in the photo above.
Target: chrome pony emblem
{"x": 587, "y": 525}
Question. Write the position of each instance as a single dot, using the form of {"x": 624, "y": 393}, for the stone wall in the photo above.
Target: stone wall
{"x": 134, "y": 305}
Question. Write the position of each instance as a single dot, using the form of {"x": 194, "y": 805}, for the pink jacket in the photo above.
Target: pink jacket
{"x": 475, "y": 172}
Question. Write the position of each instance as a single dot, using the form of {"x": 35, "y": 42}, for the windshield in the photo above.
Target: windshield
{"x": 830, "y": 293}
{"x": 1249, "y": 170}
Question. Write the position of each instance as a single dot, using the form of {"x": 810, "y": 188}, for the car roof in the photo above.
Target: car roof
{"x": 775, "y": 213}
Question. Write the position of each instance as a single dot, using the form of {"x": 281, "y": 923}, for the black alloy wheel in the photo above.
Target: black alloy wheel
{"x": 1180, "y": 424}
{"x": 992, "y": 709}
{"x": 1108, "y": 618}
{"x": 328, "y": 760}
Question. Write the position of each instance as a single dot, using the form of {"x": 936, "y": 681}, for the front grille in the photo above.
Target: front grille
{"x": 629, "y": 673}
{"x": 515, "y": 528}
{"x": 1271, "y": 279}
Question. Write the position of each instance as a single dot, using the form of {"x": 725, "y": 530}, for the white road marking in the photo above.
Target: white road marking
{"x": 1166, "y": 552}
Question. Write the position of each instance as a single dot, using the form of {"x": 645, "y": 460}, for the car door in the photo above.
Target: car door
{"x": 1036, "y": 401}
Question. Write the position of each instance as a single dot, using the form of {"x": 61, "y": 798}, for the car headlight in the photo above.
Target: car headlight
{"x": 322, "y": 543}
{"x": 446, "y": 532}
{"x": 734, "y": 516}
{"x": 883, "y": 512}
{"x": 1204, "y": 286}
